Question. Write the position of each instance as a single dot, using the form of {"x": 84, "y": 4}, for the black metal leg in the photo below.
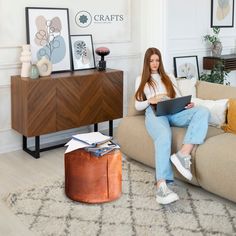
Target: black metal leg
{"x": 37, "y": 146}
{"x": 95, "y": 127}
{"x": 36, "y": 153}
{"x": 110, "y": 127}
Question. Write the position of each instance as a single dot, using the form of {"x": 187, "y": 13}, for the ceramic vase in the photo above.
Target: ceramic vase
{"x": 216, "y": 49}
{"x": 44, "y": 66}
{"x": 26, "y": 60}
{"x": 34, "y": 72}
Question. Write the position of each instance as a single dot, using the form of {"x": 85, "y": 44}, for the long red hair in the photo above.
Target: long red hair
{"x": 147, "y": 79}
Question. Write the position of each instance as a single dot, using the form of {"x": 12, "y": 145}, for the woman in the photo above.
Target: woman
{"x": 155, "y": 85}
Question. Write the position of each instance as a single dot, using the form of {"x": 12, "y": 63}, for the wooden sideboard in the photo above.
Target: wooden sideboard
{"x": 65, "y": 101}
{"x": 229, "y": 62}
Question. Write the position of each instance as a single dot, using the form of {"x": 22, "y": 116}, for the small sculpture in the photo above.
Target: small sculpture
{"x": 102, "y": 51}
{"x": 34, "y": 72}
{"x": 26, "y": 60}
{"x": 44, "y": 66}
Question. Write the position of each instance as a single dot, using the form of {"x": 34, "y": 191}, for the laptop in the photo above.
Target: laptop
{"x": 172, "y": 106}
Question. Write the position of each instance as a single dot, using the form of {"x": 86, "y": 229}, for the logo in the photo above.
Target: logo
{"x": 83, "y": 19}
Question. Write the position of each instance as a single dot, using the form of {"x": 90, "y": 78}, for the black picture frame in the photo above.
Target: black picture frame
{"x": 222, "y": 14}
{"x": 47, "y": 32}
{"x": 186, "y": 67}
{"x": 82, "y": 52}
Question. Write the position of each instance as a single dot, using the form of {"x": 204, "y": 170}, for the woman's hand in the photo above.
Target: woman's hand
{"x": 157, "y": 98}
{"x": 190, "y": 105}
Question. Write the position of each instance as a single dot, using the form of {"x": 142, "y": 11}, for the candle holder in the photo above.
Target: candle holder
{"x": 102, "y": 51}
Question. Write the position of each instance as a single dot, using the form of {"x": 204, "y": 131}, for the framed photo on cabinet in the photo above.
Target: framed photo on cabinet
{"x": 82, "y": 52}
{"x": 222, "y": 13}
{"x": 186, "y": 67}
{"x": 48, "y": 35}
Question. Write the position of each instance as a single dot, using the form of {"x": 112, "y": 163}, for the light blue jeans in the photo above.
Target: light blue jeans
{"x": 159, "y": 128}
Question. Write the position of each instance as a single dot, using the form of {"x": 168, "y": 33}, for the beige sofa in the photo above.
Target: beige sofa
{"x": 213, "y": 163}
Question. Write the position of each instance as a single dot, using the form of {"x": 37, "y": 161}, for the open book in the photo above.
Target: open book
{"x": 172, "y": 106}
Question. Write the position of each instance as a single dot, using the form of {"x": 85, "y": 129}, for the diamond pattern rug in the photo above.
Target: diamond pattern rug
{"x": 47, "y": 211}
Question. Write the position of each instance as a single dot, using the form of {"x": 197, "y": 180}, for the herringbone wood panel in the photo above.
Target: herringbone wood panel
{"x": 65, "y": 101}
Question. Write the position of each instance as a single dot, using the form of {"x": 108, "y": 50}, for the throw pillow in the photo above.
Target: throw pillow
{"x": 217, "y": 110}
{"x": 187, "y": 86}
{"x": 231, "y": 117}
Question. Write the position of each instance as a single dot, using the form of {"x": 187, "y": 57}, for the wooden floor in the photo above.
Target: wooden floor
{"x": 18, "y": 170}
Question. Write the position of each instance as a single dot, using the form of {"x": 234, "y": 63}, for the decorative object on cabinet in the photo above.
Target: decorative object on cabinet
{"x": 214, "y": 41}
{"x": 44, "y": 66}
{"x": 186, "y": 67}
{"x": 82, "y": 52}
{"x": 26, "y": 60}
{"x": 222, "y": 13}
{"x": 102, "y": 51}
{"x": 63, "y": 101}
{"x": 48, "y": 34}
{"x": 34, "y": 72}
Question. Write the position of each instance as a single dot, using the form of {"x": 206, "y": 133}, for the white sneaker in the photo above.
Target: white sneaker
{"x": 182, "y": 164}
{"x": 164, "y": 195}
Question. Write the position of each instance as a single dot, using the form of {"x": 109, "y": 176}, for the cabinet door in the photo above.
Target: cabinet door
{"x": 78, "y": 101}
{"x": 40, "y": 97}
{"x": 89, "y": 98}
{"x": 33, "y": 106}
{"x": 112, "y": 101}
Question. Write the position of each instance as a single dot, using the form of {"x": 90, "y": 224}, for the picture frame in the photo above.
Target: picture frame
{"x": 82, "y": 52}
{"x": 222, "y": 13}
{"x": 48, "y": 31}
{"x": 186, "y": 67}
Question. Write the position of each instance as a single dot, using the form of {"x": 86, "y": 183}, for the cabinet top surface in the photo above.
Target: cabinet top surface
{"x": 228, "y": 56}
{"x": 71, "y": 74}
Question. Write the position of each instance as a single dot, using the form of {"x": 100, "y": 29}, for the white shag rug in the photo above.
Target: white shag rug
{"x": 47, "y": 211}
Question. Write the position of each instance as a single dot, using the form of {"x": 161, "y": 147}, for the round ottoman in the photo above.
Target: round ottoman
{"x": 93, "y": 179}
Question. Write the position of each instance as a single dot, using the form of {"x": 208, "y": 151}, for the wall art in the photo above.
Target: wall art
{"x": 186, "y": 67}
{"x": 82, "y": 52}
{"x": 48, "y": 34}
{"x": 222, "y": 13}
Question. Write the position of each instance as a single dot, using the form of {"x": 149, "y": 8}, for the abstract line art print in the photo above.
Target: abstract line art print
{"x": 48, "y": 35}
{"x": 82, "y": 52}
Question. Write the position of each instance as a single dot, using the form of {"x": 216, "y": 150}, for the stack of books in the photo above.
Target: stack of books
{"x": 95, "y": 142}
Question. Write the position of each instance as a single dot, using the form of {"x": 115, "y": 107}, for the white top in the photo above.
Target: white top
{"x": 149, "y": 91}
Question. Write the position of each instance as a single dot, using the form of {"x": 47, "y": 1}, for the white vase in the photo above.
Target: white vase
{"x": 44, "y": 66}
{"x": 26, "y": 60}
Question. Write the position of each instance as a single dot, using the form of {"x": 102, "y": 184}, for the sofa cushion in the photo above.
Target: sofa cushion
{"x": 216, "y": 165}
{"x": 231, "y": 115}
{"x": 206, "y": 90}
{"x": 187, "y": 86}
{"x": 131, "y": 108}
{"x": 217, "y": 109}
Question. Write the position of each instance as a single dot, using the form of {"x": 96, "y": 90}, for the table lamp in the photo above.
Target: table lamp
{"x": 102, "y": 51}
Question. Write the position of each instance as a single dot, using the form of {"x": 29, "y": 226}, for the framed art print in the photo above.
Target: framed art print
{"x": 48, "y": 35}
{"x": 222, "y": 13}
{"x": 186, "y": 67}
{"x": 82, "y": 52}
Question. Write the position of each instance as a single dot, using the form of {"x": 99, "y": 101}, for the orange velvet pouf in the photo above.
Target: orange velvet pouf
{"x": 93, "y": 179}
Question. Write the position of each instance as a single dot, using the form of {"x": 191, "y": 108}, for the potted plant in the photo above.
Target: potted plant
{"x": 216, "y": 45}
{"x": 217, "y": 75}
